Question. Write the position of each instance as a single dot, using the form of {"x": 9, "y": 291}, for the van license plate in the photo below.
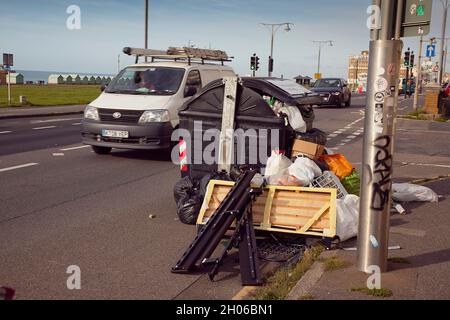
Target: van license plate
{"x": 115, "y": 134}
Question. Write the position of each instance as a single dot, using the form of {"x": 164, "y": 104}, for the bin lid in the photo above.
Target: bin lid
{"x": 209, "y": 101}
{"x": 285, "y": 90}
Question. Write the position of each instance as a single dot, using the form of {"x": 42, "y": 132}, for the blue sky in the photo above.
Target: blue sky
{"x": 35, "y": 32}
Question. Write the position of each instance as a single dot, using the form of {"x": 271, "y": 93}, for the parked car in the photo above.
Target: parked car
{"x": 139, "y": 108}
{"x": 333, "y": 92}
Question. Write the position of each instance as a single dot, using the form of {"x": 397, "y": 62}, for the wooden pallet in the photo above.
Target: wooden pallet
{"x": 293, "y": 210}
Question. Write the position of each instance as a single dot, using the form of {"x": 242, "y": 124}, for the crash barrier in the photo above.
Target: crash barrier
{"x": 290, "y": 210}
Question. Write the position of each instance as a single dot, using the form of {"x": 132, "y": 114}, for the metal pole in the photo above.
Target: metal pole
{"x": 445, "y": 5}
{"x": 318, "y": 63}
{"x": 271, "y": 47}
{"x": 419, "y": 75}
{"x": 9, "y": 88}
{"x": 376, "y": 184}
{"x": 146, "y": 27}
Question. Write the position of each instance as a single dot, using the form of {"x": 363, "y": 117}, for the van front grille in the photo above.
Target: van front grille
{"x": 126, "y": 116}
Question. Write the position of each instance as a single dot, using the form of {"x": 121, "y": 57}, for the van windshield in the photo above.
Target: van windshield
{"x": 147, "y": 81}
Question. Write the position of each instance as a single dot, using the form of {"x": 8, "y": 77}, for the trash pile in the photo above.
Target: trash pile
{"x": 293, "y": 194}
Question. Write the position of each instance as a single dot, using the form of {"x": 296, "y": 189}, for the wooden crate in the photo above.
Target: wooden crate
{"x": 293, "y": 210}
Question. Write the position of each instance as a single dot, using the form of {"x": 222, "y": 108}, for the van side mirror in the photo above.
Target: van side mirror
{"x": 190, "y": 91}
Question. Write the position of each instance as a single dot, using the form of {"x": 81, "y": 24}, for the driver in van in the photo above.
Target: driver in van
{"x": 142, "y": 81}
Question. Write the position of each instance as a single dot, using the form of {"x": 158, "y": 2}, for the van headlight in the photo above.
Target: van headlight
{"x": 336, "y": 93}
{"x": 155, "y": 116}
{"x": 91, "y": 113}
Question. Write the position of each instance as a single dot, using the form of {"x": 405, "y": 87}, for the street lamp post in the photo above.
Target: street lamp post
{"x": 445, "y": 7}
{"x": 320, "y": 43}
{"x": 274, "y": 28}
{"x": 146, "y": 27}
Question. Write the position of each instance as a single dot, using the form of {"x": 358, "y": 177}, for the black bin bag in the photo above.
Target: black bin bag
{"x": 188, "y": 199}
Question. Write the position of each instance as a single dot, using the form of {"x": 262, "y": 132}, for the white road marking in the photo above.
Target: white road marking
{"x": 74, "y": 148}
{"x": 346, "y": 140}
{"x": 52, "y": 120}
{"x": 422, "y": 131}
{"x": 19, "y": 167}
{"x": 58, "y": 154}
{"x": 333, "y": 135}
{"x": 426, "y": 165}
{"x": 43, "y": 128}
{"x": 5, "y": 132}
{"x": 351, "y": 137}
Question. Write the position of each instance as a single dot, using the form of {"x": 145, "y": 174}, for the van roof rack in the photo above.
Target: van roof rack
{"x": 180, "y": 54}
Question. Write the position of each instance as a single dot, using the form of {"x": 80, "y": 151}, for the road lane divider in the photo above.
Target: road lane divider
{"x": 19, "y": 167}
{"x": 53, "y": 120}
{"x": 5, "y": 132}
{"x": 75, "y": 148}
{"x": 44, "y": 128}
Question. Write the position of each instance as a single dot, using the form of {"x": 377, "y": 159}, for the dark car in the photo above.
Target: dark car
{"x": 333, "y": 92}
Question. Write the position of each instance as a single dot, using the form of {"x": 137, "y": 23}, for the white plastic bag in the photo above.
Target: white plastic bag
{"x": 276, "y": 164}
{"x": 406, "y": 192}
{"x": 347, "y": 216}
{"x": 295, "y": 118}
{"x": 304, "y": 170}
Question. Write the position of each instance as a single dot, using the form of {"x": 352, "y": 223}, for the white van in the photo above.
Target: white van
{"x": 139, "y": 108}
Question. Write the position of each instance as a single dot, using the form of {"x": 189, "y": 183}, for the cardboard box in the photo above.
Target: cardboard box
{"x": 310, "y": 150}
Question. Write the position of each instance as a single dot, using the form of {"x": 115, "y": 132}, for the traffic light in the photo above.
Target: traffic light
{"x": 253, "y": 62}
{"x": 407, "y": 58}
{"x": 257, "y": 63}
{"x": 412, "y": 60}
{"x": 270, "y": 64}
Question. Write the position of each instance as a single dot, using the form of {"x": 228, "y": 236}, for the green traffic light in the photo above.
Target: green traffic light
{"x": 420, "y": 10}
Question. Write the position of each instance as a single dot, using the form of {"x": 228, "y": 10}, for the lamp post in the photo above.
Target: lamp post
{"x": 320, "y": 43}
{"x": 146, "y": 27}
{"x": 445, "y": 7}
{"x": 274, "y": 28}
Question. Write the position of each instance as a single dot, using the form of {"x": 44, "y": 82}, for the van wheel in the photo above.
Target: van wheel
{"x": 101, "y": 150}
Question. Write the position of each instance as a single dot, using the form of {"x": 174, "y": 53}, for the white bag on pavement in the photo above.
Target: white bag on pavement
{"x": 347, "y": 217}
{"x": 295, "y": 118}
{"x": 304, "y": 170}
{"x": 406, "y": 192}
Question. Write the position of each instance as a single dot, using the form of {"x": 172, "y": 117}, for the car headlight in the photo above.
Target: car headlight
{"x": 91, "y": 113}
{"x": 155, "y": 116}
{"x": 336, "y": 93}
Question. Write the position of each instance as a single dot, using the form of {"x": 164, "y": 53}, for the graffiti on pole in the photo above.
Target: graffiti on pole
{"x": 382, "y": 178}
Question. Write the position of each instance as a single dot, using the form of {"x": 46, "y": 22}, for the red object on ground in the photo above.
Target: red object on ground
{"x": 7, "y": 293}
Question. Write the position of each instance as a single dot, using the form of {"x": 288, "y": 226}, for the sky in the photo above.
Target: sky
{"x": 35, "y": 32}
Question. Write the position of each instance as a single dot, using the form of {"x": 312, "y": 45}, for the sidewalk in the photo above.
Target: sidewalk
{"x": 420, "y": 270}
{"x": 19, "y": 112}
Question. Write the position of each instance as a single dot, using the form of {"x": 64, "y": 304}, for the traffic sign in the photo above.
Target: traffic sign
{"x": 416, "y": 18}
{"x": 431, "y": 51}
{"x": 8, "y": 59}
{"x": 318, "y": 76}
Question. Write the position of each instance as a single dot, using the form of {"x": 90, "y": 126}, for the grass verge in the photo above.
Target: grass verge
{"x": 378, "y": 293}
{"x": 45, "y": 95}
{"x": 281, "y": 283}
{"x": 334, "y": 263}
